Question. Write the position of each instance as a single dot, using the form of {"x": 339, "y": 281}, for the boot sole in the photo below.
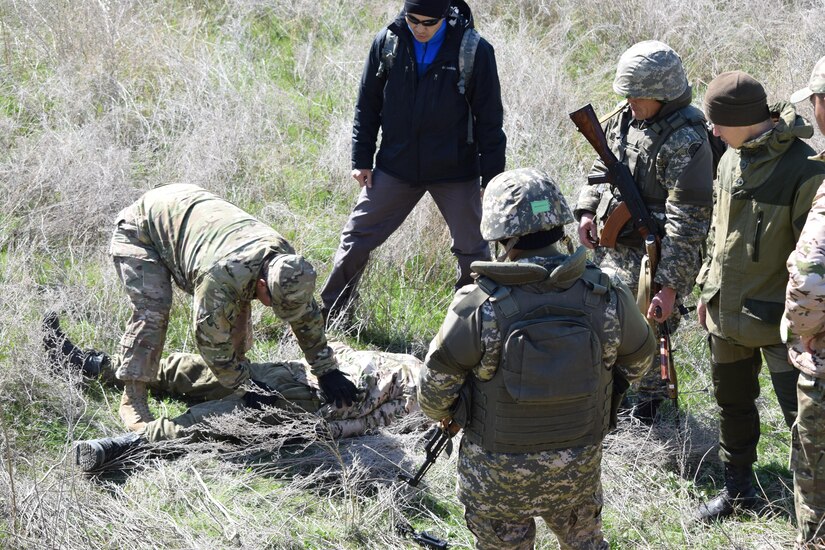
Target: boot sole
{"x": 89, "y": 455}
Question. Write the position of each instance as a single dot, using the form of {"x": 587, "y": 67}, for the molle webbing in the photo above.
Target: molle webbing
{"x": 551, "y": 389}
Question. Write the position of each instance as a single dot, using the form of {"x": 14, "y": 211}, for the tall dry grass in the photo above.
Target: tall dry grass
{"x": 253, "y": 99}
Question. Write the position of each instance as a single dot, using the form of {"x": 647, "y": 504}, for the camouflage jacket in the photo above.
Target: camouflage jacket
{"x": 471, "y": 346}
{"x": 683, "y": 171}
{"x": 805, "y": 297}
{"x": 215, "y": 251}
{"x": 764, "y": 191}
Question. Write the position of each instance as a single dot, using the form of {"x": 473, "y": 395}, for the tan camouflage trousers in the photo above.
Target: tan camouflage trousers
{"x": 808, "y": 462}
{"x": 502, "y": 493}
{"x": 386, "y": 382}
{"x": 148, "y": 284}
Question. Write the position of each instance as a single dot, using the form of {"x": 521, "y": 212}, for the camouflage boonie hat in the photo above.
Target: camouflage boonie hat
{"x": 816, "y": 85}
{"x": 291, "y": 280}
{"x": 520, "y": 202}
{"x": 650, "y": 69}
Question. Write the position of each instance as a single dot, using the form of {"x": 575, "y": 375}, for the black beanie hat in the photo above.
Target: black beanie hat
{"x": 735, "y": 98}
{"x": 430, "y": 8}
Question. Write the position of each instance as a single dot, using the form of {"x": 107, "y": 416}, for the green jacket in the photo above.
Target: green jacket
{"x": 763, "y": 194}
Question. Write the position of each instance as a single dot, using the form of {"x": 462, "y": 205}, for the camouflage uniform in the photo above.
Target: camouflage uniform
{"x": 216, "y": 252}
{"x": 502, "y": 492}
{"x": 386, "y": 382}
{"x": 678, "y": 195}
{"x": 805, "y": 318}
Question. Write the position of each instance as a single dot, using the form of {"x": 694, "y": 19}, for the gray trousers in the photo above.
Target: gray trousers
{"x": 383, "y": 208}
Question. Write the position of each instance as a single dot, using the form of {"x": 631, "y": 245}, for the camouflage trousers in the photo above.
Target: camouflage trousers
{"x": 502, "y": 493}
{"x": 808, "y": 462}
{"x": 386, "y": 382}
{"x": 148, "y": 283}
{"x": 624, "y": 263}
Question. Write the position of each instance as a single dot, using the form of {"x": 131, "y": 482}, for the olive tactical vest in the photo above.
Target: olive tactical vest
{"x": 551, "y": 389}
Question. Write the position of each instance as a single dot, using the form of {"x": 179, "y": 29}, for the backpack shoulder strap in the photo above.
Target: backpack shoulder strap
{"x": 466, "y": 60}
{"x": 388, "y": 52}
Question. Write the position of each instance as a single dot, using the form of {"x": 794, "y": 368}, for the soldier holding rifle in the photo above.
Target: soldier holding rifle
{"x": 662, "y": 141}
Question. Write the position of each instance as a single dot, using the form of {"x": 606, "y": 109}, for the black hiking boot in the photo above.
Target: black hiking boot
{"x": 645, "y": 410}
{"x": 738, "y": 493}
{"x": 94, "y": 454}
{"x": 63, "y": 353}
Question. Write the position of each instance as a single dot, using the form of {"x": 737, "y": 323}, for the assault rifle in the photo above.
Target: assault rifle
{"x": 631, "y": 208}
{"x": 423, "y": 538}
{"x": 439, "y": 439}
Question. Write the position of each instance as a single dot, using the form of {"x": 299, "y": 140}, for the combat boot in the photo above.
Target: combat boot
{"x": 645, "y": 410}
{"x": 134, "y": 406}
{"x": 738, "y": 492}
{"x": 63, "y": 353}
{"x": 95, "y": 453}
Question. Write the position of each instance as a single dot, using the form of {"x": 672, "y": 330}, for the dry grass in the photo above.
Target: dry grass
{"x": 253, "y": 100}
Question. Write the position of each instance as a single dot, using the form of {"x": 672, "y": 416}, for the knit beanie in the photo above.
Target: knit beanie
{"x": 430, "y": 8}
{"x": 735, "y": 98}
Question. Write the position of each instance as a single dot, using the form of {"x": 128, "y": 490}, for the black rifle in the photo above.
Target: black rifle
{"x": 423, "y": 538}
{"x": 439, "y": 439}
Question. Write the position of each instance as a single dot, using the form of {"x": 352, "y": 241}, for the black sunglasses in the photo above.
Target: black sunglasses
{"x": 413, "y": 21}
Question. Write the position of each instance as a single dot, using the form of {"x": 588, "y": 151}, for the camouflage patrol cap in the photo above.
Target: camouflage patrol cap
{"x": 816, "y": 84}
{"x": 522, "y": 201}
{"x": 650, "y": 69}
{"x": 291, "y": 280}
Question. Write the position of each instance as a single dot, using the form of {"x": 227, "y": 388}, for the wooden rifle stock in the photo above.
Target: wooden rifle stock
{"x": 618, "y": 174}
{"x": 667, "y": 369}
{"x": 587, "y": 122}
{"x": 613, "y": 225}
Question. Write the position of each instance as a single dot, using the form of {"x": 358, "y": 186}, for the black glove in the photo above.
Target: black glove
{"x": 337, "y": 387}
{"x": 620, "y": 385}
{"x": 259, "y": 395}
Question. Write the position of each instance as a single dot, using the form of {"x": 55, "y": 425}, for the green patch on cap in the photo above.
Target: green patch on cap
{"x": 540, "y": 206}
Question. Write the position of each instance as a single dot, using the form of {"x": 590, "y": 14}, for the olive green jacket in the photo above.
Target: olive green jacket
{"x": 763, "y": 194}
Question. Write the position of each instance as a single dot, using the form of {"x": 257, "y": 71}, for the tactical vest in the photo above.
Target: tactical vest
{"x": 638, "y": 149}
{"x": 551, "y": 389}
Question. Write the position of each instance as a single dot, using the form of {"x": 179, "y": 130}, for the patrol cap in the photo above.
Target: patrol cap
{"x": 520, "y": 202}
{"x": 650, "y": 69}
{"x": 291, "y": 280}
{"x": 816, "y": 84}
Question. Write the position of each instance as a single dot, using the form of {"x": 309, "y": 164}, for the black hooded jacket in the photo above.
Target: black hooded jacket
{"x": 423, "y": 121}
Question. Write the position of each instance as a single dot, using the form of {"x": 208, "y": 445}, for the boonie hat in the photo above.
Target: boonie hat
{"x": 816, "y": 84}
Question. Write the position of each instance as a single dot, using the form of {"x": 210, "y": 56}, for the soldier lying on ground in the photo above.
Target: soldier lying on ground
{"x": 386, "y": 391}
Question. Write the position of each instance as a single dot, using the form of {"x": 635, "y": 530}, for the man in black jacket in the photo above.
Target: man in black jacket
{"x": 436, "y": 138}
